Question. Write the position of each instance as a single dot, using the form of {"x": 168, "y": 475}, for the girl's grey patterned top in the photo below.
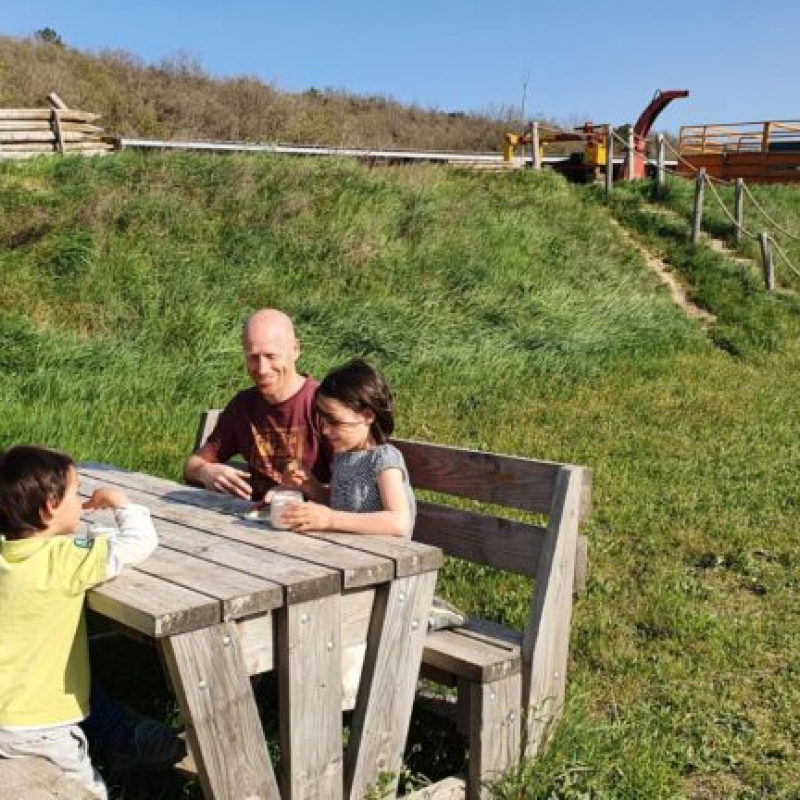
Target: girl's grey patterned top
{"x": 354, "y": 479}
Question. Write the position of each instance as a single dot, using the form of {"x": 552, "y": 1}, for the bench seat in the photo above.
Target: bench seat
{"x": 478, "y": 651}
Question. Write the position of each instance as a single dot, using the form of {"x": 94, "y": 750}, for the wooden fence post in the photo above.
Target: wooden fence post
{"x": 609, "y": 160}
{"x": 630, "y": 155}
{"x": 738, "y": 209}
{"x": 536, "y": 156}
{"x": 697, "y": 216}
{"x": 766, "y": 262}
{"x": 661, "y": 174}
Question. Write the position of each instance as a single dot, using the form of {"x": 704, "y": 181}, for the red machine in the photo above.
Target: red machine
{"x": 645, "y": 123}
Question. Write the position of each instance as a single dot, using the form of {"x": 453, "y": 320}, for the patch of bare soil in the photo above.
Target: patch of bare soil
{"x": 676, "y": 289}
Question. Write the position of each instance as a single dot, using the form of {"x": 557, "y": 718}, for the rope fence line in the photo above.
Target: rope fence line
{"x": 711, "y": 181}
{"x": 727, "y": 213}
{"x": 768, "y": 217}
{"x": 785, "y": 258}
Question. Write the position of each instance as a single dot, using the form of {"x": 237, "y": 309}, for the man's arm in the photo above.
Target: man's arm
{"x": 217, "y": 477}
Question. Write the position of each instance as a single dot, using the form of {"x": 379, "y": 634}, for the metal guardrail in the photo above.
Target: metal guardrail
{"x": 390, "y": 156}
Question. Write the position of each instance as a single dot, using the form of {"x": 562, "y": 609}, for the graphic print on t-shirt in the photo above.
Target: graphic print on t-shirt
{"x": 276, "y": 448}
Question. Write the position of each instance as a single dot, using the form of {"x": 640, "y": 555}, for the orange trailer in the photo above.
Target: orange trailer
{"x": 759, "y": 152}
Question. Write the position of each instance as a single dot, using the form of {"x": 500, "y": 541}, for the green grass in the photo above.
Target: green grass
{"x": 509, "y": 315}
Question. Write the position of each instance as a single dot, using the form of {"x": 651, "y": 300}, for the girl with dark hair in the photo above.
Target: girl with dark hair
{"x": 369, "y": 491}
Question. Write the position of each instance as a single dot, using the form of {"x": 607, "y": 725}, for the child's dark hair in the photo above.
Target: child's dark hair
{"x": 29, "y": 477}
{"x": 359, "y": 386}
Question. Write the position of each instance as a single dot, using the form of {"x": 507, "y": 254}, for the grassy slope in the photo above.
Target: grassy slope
{"x": 508, "y": 316}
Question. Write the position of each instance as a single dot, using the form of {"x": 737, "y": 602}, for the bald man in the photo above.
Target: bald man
{"x": 273, "y": 424}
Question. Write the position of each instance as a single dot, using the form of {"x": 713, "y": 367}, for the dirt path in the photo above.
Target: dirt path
{"x": 669, "y": 279}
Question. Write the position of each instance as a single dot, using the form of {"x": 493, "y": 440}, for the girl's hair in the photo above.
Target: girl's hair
{"x": 30, "y": 476}
{"x": 360, "y": 387}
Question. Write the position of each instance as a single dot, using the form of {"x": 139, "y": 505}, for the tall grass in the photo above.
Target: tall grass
{"x": 509, "y": 315}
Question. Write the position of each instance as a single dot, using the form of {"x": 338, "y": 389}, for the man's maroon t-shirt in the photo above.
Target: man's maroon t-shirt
{"x": 269, "y": 436}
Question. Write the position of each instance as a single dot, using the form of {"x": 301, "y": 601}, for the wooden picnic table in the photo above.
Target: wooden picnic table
{"x": 341, "y": 618}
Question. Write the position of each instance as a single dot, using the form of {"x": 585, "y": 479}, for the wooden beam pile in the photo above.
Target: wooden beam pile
{"x": 28, "y": 132}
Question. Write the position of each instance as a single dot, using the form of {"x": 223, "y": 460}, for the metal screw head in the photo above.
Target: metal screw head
{"x": 202, "y": 685}
{"x": 226, "y": 640}
{"x": 329, "y": 645}
{"x": 304, "y": 618}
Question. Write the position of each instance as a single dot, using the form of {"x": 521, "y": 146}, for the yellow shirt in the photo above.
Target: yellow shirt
{"x": 44, "y": 653}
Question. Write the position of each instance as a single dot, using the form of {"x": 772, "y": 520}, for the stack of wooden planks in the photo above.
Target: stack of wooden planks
{"x": 28, "y": 132}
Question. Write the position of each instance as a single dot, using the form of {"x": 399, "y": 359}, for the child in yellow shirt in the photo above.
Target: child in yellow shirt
{"x": 45, "y": 572}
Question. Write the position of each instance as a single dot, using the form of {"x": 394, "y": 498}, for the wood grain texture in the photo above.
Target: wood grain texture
{"x": 546, "y": 641}
{"x": 184, "y": 528}
{"x": 257, "y": 638}
{"x": 72, "y": 114}
{"x": 409, "y": 557}
{"x": 239, "y": 593}
{"x": 388, "y": 683}
{"x": 38, "y": 779}
{"x": 500, "y": 543}
{"x": 474, "y": 657}
{"x": 505, "y": 480}
{"x": 189, "y": 506}
{"x": 152, "y": 606}
{"x": 494, "y": 732}
{"x": 222, "y": 723}
{"x": 310, "y": 686}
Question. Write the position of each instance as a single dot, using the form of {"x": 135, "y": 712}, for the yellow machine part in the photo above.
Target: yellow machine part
{"x": 513, "y": 141}
{"x": 595, "y": 154}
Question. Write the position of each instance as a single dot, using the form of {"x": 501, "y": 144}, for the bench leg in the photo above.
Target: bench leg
{"x": 494, "y": 731}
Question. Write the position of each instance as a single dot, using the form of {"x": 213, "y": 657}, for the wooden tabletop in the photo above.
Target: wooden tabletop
{"x": 211, "y": 565}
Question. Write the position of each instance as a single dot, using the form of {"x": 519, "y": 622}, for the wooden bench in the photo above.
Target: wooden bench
{"x": 37, "y": 779}
{"x": 511, "y": 684}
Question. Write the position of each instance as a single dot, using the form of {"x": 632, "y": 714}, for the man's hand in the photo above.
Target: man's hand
{"x": 294, "y": 477}
{"x": 303, "y": 517}
{"x": 106, "y": 497}
{"x": 226, "y": 480}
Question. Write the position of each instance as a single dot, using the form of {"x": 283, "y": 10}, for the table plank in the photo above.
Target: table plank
{"x": 239, "y": 593}
{"x": 177, "y": 503}
{"x": 300, "y": 580}
{"x": 152, "y": 606}
{"x": 410, "y": 557}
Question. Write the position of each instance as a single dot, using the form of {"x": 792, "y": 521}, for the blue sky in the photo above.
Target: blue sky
{"x": 570, "y": 60}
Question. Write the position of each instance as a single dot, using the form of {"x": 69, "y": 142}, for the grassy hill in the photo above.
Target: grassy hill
{"x": 509, "y": 314}
{"x": 178, "y": 99}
